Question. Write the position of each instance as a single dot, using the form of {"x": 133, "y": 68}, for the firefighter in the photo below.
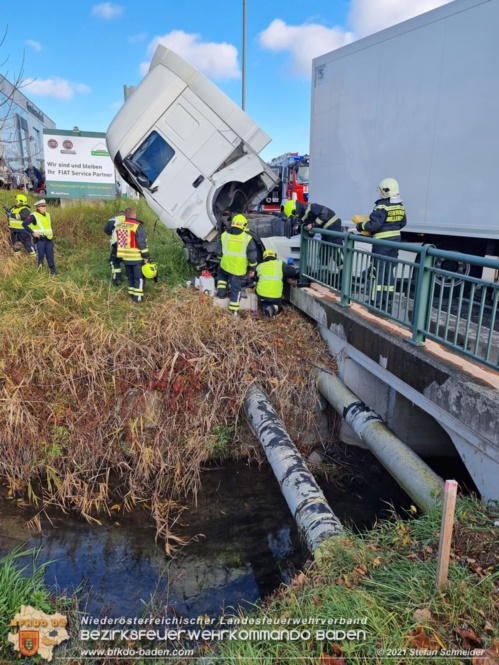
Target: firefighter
{"x": 238, "y": 256}
{"x": 115, "y": 262}
{"x": 314, "y": 214}
{"x": 132, "y": 249}
{"x": 39, "y": 226}
{"x": 271, "y": 273}
{"x": 17, "y": 214}
{"x": 385, "y": 223}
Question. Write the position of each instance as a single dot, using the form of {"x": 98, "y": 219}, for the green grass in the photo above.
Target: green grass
{"x": 387, "y": 576}
{"x": 82, "y": 261}
{"x": 24, "y": 584}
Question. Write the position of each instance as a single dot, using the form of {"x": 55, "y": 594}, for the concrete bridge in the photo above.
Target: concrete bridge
{"x": 432, "y": 398}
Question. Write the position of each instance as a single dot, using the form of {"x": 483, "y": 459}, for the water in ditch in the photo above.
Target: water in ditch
{"x": 242, "y": 543}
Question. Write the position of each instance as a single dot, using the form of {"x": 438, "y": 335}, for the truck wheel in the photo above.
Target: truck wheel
{"x": 461, "y": 268}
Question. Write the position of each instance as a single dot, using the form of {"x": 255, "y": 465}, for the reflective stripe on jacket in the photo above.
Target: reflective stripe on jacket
{"x": 127, "y": 242}
{"x": 234, "y": 253}
{"x": 118, "y": 218}
{"x": 270, "y": 276}
{"x": 16, "y": 222}
{"x": 387, "y": 219}
{"x": 43, "y": 226}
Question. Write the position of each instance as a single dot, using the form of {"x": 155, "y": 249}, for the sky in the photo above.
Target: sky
{"x": 75, "y": 58}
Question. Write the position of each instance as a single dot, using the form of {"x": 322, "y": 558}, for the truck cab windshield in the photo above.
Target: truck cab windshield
{"x": 302, "y": 175}
{"x": 151, "y": 157}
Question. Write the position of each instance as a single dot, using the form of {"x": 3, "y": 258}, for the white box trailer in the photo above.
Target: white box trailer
{"x": 193, "y": 154}
{"x": 418, "y": 102}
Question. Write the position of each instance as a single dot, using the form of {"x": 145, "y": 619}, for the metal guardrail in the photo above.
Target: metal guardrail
{"x": 416, "y": 290}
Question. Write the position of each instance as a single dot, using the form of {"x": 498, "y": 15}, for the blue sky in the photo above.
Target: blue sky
{"x": 78, "y": 56}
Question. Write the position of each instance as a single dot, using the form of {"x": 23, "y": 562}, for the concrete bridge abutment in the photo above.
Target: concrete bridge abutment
{"x": 434, "y": 400}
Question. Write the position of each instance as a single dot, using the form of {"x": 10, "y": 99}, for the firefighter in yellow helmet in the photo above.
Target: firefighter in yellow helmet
{"x": 238, "y": 258}
{"x": 316, "y": 215}
{"x": 385, "y": 222}
{"x": 271, "y": 273}
{"x": 17, "y": 214}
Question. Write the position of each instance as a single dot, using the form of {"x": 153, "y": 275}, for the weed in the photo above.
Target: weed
{"x": 94, "y": 389}
{"x": 218, "y": 444}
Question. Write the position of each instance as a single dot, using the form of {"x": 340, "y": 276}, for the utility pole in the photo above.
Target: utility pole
{"x": 243, "y": 103}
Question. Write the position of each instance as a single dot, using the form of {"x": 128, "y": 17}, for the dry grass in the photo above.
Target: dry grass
{"x": 99, "y": 413}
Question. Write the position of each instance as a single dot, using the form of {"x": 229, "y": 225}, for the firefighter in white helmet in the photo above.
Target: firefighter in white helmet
{"x": 385, "y": 222}
{"x": 39, "y": 226}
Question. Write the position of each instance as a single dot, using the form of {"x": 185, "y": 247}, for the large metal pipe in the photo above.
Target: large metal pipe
{"x": 315, "y": 519}
{"x": 409, "y": 470}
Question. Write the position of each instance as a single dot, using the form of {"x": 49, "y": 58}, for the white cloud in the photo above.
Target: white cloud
{"x": 304, "y": 42}
{"x": 107, "y": 10}
{"x": 218, "y": 61}
{"x": 368, "y": 16}
{"x": 55, "y": 87}
{"x": 133, "y": 39}
{"x": 307, "y": 41}
{"x": 34, "y": 45}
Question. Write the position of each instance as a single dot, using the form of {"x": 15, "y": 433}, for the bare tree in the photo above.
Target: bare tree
{"x": 11, "y": 131}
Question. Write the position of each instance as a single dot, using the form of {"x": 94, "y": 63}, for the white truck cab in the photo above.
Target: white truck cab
{"x": 193, "y": 154}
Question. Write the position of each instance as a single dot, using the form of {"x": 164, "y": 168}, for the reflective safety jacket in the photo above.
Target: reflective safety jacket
{"x": 17, "y": 216}
{"x": 270, "y": 276}
{"x": 39, "y": 222}
{"x": 387, "y": 219}
{"x": 131, "y": 241}
{"x": 237, "y": 250}
{"x": 110, "y": 227}
{"x": 319, "y": 215}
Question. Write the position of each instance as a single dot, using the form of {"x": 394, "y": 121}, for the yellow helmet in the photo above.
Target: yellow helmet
{"x": 289, "y": 208}
{"x": 389, "y": 187}
{"x": 240, "y": 222}
{"x": 150, "y": 270}
{"x": 269, "y": 254}
{"x": 21, "y": 199}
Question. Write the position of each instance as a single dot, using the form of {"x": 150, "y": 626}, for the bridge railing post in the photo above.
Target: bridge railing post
{"x": 303, "y": 251}
{"x": 346, "y": 277}
{"x": 422, "y": 297}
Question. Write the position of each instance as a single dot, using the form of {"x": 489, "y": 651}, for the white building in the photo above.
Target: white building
{"x": 21, "y": 129}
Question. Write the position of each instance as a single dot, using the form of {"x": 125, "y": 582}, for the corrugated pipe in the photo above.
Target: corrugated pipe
{"x": 315, "y": 519}
{"x": 409, "y": 470}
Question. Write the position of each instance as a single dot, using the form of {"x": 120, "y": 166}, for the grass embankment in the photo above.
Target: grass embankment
{"x": 386, "y": 577}
{"x": 105, "y": 405}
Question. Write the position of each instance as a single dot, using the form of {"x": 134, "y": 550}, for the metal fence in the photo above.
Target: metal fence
{"x": 429, "y": 291}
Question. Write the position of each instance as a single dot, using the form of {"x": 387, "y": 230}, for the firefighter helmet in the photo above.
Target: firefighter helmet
{"x": 149, "y": 270}
{"x": 240, "y": 222}
{"x": 389, "y": 187}
{"x": 21, "y": 199}
{"x": 269, "y": 254}
{"x": 289, "y": 208}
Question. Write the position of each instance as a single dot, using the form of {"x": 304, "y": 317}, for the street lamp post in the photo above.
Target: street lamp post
{"x": 243, "y": 102}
